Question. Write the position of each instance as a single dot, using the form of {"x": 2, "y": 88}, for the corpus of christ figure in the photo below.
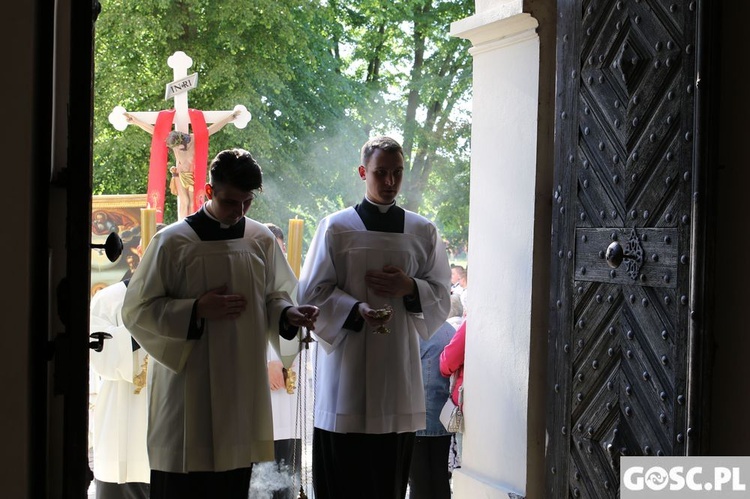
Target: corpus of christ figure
{"x": 183, "y": 172}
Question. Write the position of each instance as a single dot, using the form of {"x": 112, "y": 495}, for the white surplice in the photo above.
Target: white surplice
{"x": 119, "y": 413}
{"x": 209, "y": 402}
{"x": 368, "y": 382}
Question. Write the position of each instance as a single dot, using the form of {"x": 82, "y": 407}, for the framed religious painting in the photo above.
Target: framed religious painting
{"x": 120, "y": 213}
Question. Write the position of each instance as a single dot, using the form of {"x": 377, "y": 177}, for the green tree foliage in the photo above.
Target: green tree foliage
{"x": 272, "y": 57}
{"x": 419, "y": 79}
{"x": 318, "y": 78}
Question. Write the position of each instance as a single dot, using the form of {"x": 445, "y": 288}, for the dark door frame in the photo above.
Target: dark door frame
{"x": 76, "y": 472}
{"x": 64, "y": 353}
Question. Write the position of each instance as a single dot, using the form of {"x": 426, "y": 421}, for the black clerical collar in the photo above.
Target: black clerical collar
{"x": 390, "y": 221}
{"x": 209, "y": 229}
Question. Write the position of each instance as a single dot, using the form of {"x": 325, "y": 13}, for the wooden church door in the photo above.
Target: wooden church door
{"x": 627, "y": 325}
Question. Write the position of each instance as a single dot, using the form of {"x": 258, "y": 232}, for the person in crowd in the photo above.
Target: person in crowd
{"x": 278, "y": 234}
{"x": 464, "y": 283}
{"x": 429, "y": 476}
{"x": 457, "y": 272}
{"x": 452, "y": 365}
{"x": 121, "y": 467}
{"x": 284, "y": 394}
{"x": 210, "y": 292}
{"x": 380, "y": 276}
{"x": 458, "y": 294}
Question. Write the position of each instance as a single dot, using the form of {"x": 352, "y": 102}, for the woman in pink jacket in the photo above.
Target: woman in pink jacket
{"x": 452, "y": 361}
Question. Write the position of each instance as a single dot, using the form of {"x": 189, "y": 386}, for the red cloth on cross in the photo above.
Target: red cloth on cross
{"x": 157, "y": 170}
{"x": 200, "y": 134}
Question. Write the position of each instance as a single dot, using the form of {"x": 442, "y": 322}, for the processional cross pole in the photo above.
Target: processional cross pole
{"x": 190, "y": 149}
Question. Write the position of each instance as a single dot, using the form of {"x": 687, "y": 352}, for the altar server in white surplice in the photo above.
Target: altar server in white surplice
{"x": 369, "y": 399}
{"x": 121, "y": 467}
{"x": 211, "y": 291}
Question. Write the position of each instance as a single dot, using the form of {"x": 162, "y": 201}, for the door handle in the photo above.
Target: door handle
{"x": 615, "y": 254}
{"x": 112, "y": 246}
{"x": 98, "y": 344}
{"x": 632, "y": 252}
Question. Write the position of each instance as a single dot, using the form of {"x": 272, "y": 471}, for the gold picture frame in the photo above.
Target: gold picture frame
{"x": 119, "y": 213}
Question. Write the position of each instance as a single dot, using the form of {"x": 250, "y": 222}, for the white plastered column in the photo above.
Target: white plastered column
{"x": 501, "y": 238}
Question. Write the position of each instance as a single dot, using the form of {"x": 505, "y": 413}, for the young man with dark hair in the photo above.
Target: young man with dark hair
{"x": 211, "y": 291}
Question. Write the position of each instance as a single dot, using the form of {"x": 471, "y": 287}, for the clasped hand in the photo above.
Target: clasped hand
{"x": 391, "y": 281}
{"x": 276, "y": 375}
{"x": 215, "y": 304}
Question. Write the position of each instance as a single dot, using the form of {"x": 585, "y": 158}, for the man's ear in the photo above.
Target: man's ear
{"x": 209, "y": 191}
{"x": 362, "y": 172}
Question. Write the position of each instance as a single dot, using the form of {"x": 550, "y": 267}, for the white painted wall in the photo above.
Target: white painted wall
{"x": 501, "y": 230}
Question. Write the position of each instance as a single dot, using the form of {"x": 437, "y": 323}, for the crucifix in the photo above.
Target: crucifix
{"x": 190, "y": 149}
